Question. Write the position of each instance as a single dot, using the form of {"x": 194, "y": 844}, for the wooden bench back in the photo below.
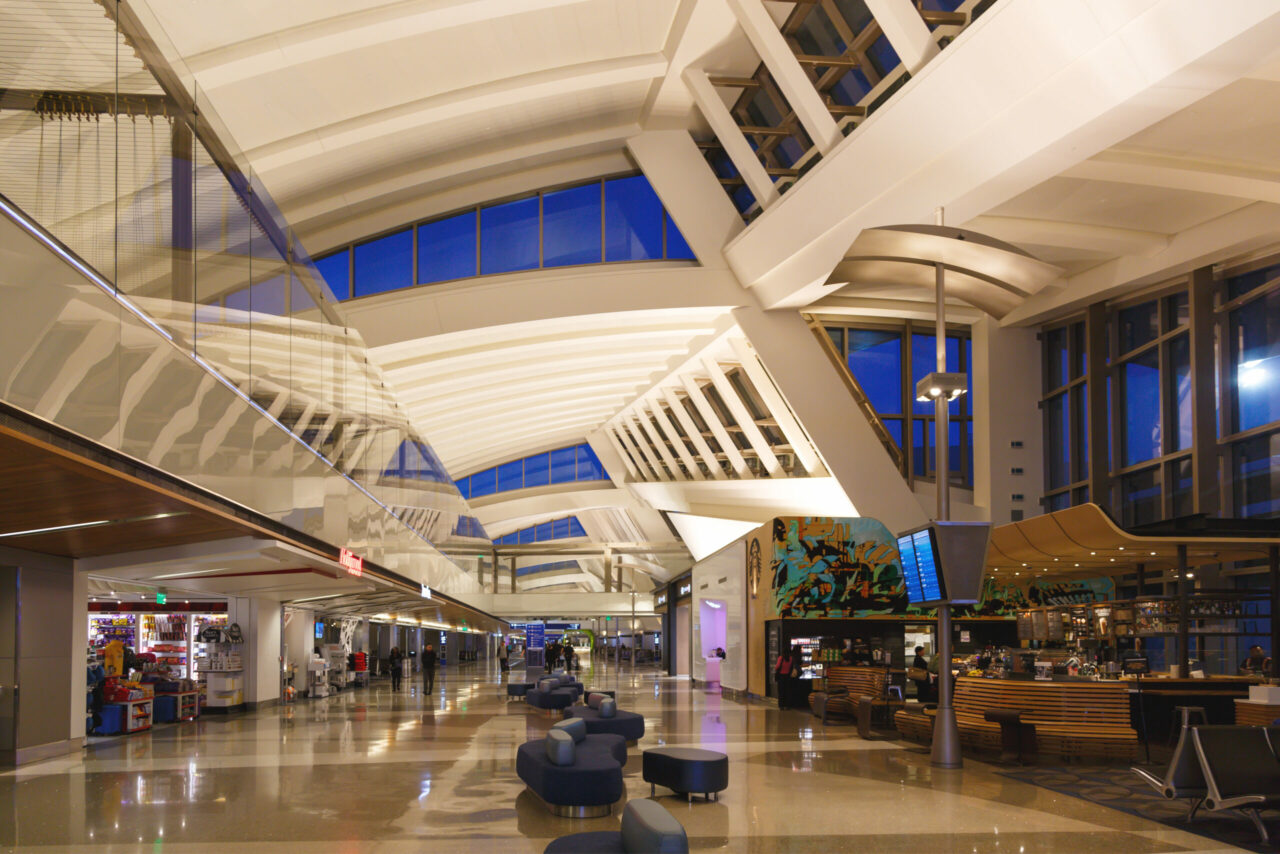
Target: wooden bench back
{"x": 860, "y": 680}
{"x": 1082, "y": 704}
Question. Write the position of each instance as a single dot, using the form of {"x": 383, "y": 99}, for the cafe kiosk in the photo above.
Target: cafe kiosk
{"x": 942, "y": 564}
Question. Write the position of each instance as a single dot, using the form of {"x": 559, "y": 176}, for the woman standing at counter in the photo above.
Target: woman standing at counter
{"x": 787, "y": 671}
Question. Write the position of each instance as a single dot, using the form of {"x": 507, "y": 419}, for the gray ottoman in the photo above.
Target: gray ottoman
{"x": 686, "y": 770}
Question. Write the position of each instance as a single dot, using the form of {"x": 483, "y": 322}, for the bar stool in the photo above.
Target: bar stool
{"x": 1187, "y": 714}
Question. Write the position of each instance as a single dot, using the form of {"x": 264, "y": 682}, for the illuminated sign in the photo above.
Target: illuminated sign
{"x": 426, "y": 592}
{"x": 351, "y": 562}
{"x": 685, "y": 589}
{"x": 661, "y": 600}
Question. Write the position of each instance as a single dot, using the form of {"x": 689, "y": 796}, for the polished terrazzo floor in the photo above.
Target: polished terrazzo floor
{"x": 373, "y": 771}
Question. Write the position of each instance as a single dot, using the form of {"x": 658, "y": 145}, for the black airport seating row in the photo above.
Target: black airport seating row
{"x": 1224, "y": 768}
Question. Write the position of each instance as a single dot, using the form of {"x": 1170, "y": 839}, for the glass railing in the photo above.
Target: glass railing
{"x": 159, "y": 305}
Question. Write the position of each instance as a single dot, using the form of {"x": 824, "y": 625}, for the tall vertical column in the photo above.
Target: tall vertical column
{"x": 1184, "y": 614}
{"x": 259, "y": 621}
{"x": 182, "y": 209}
{"x": 1204, "y": 429}
{"x": 1095, "y": 331}
{"x": 42, "y": 671}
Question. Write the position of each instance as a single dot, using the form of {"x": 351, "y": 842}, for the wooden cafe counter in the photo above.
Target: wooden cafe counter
{"x": 1075, "y": 717}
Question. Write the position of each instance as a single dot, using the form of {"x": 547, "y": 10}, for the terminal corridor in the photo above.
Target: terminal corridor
{"x": 374, "y": 771}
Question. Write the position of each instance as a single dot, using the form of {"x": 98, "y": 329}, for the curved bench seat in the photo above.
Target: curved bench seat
{"x": 588, "y": 787}
{"x": 629, "y": 725}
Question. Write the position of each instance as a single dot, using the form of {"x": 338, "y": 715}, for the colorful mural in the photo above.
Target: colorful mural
{"x": 826, "y": 568}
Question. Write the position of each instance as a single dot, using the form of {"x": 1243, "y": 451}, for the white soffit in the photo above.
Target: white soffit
{"x": 706, "y": 535}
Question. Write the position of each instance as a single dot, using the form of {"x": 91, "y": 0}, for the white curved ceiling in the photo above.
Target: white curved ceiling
{"x": 485, "y": 396}
{"x": 345, "y": 109}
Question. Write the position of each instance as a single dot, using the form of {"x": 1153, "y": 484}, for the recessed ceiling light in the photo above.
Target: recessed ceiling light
{"x": 1093, "y": 553}
{"x": 1121, "y": 548}
{"x": 1153, "y": 554}
{"x": 1113, "y": 560}
{"x": 1024, "y": 564}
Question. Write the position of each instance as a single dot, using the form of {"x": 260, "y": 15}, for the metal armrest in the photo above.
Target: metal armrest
{"x": 1152, "y": 780}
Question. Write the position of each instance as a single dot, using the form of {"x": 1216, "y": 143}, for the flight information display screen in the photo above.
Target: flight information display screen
{"x": 920, "y": 568}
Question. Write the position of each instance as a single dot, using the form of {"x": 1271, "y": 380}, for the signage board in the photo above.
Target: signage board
{"x": 685, "y": 589}
{"x": 661, "y": 599}
{"x": 535, "y": 635}
{"x": 351, "y": 562}
{"x": 426, "y": 592}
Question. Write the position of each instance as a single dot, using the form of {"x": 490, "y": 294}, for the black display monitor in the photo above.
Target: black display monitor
{"x": 921, "y": 567}
{"x": 1136, "y": 666}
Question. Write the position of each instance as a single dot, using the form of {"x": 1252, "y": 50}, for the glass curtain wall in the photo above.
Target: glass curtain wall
{"x": 1148, "y": 374}
{"x": 887, "y": 361}
{"x": 602, "y": 221}
{"x": 191, "y": 330}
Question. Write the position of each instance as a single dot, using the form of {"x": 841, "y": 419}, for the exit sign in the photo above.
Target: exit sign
{"x": 351, "y": 562}
{"x": 161, "y": 597}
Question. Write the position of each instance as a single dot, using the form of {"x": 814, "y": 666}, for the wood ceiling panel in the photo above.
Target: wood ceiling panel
{"x": 47, "y": 489}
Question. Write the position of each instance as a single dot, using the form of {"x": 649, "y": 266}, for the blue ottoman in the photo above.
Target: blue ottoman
{"x": 686, "y": 770}
{"x": 647, "y": 828}
{"x": 166, "y": 709}
{"x": 629, "y": 725}
{"x": 519, "y": 689}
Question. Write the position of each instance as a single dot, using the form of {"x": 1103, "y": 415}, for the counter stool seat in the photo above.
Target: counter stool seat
{"x": 686, "y": 770}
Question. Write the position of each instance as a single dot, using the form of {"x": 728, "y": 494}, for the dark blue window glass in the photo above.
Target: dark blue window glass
{"x": 238, "y": 300}
{"x": 510, "y": 476}
{"x": 894, "y": 426}
{"x": 525, "y": 536}
{"x": 464, "y": 486}
{"x": 447, "y": 249}
{"x": 563, "y": 465}
{"x": 575, "y": 527}
{"x": 509, "y": 236}
{"x": 589, "y": 467}
{"x": 875, "y": 360}
{"x": 1059, "y": 449}
{"x": 1138, "y": 325}
{"x": 571, "y": 226}
{"x": 542, "y": 532}
{"x": 335, "y": 269}
{"x": 883, "y": 56}
{"x": 1141, "y": 392}
{"x": 509, "y": 540}
{"x": 1255, "y": 360}
{"x": 1238, "y": 285}
{"x": 1255, "y": 461}
{"x": 1180, "y": 393}
{"x": 536, "y": 472}
{"x": 677, "y": 248}
{"x": 483, "y": 483}
{"x": 1140, "y": 498}
{"x": 1056, "y": 345}
{"x": 385, "y": 264}
{"x": 632, "y": 220}
{"x": 560, "y": 528}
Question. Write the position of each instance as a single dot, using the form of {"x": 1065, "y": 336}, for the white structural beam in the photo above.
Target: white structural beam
{"x": 631, "y": 430}
{"x": 646, "y": 472}
{"x": 682, "y": 450}
{"x": 727, "y": 446}
{"x": 621, "y": 452}
{"x": 796, "y": 86}
{"x": 850, "y": 449}
{"x": 746, "y": 421}
{"x": 689, "y": 190}
{"x": 773, "y": 401}
{"x": 494, "y": 301}
{"x": 906, "y": 31}
{"x": 730, "y": 135}
{"x": 1098, "y": 238}
{"x": 1240, "y": 232}
{"x": 1027, "y": 91}
{"x": 695, "y": 435}
{"x": 1244, "y": 181}
{"x": 639, "y": 414}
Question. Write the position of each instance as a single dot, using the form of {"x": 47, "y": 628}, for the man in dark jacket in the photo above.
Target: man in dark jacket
{"x": 429, "y": 668}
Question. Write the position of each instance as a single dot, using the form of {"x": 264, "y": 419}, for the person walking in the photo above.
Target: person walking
{"x": 396, "y": 665}
{"x": 919, "y": 674}
{"x": 503, "y": 655}
{"x": 429, "y": 668}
